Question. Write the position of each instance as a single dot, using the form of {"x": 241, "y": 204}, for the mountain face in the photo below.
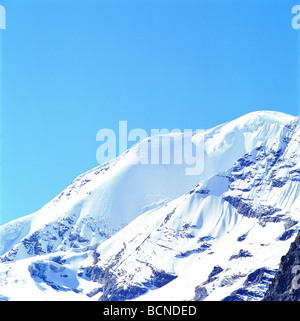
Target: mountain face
{"x": 129, "y": 231}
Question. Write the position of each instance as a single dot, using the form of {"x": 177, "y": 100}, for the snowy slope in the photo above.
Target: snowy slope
{"x": 223, "y": 240}
{"x": 124, "y": 231}
{"x": 105, "y": 199}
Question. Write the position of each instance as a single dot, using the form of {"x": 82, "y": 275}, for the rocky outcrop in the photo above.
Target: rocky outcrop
{"x": 286, "y": 285}
{"x": 248, "y": 291}
{"x": 112, "y": 290}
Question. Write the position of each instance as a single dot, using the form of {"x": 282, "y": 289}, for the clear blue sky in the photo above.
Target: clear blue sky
{"x": 70, "y": 68}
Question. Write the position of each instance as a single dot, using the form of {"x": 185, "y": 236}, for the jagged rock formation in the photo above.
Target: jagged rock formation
{"x": 286, "y": 284}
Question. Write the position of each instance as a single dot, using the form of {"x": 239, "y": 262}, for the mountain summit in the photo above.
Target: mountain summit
{"x": 129, "y": 231}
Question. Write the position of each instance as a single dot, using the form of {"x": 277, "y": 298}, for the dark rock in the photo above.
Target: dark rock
{"x": 243, "y": 162}
{"x": 212, "y": 275}
{"x": 258, "y": 276}
{"x": 58, "y": 259}
{"x": 242, "y": 237}
{"x": 203, "y": 191}
{"x": 265, "y": 213}
{"x": 242, "y": 253}
{"x": 185, "y": 231}
{"x": 200, "y": 249}
{"x": 94, "y": 273}
{"x": 278, "y": 182}
{"x": 285, "y": 285}
{"x": 286, "y": 235}
{"x": 161, "y": 278}
{"x": 288, "y": 223}
{"x": 205, "y": 239}
{"x": 200, "y": 293}
{"x": 62, "y": 229}
{"x": 216, "y": 270}
{"x": 240, "y": 205}
{"x": 112, "y": 290}
{"x": 33, "y": 245}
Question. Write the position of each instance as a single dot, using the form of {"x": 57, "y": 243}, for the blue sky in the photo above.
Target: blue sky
{"x": 70, "y": 68}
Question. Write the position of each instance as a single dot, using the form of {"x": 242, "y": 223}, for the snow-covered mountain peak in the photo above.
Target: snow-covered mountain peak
{"x": 126, "y": 230}
{"x": 101, "y": 201}
{"x": 266, "y": 115}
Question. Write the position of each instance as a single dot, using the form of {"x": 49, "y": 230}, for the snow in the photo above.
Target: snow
{"x": 144, "y": 218}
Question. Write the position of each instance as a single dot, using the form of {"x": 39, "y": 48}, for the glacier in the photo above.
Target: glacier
{"x": 129, "y": 231}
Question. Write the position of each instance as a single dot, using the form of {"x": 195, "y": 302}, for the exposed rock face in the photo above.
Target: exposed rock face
{"x": 247, "y": 292}
{"x": 286, "y": 285}
{"x": 111, "y": 290}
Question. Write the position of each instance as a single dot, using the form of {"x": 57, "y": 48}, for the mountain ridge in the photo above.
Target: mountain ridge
{"x": 125, "y": 232}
